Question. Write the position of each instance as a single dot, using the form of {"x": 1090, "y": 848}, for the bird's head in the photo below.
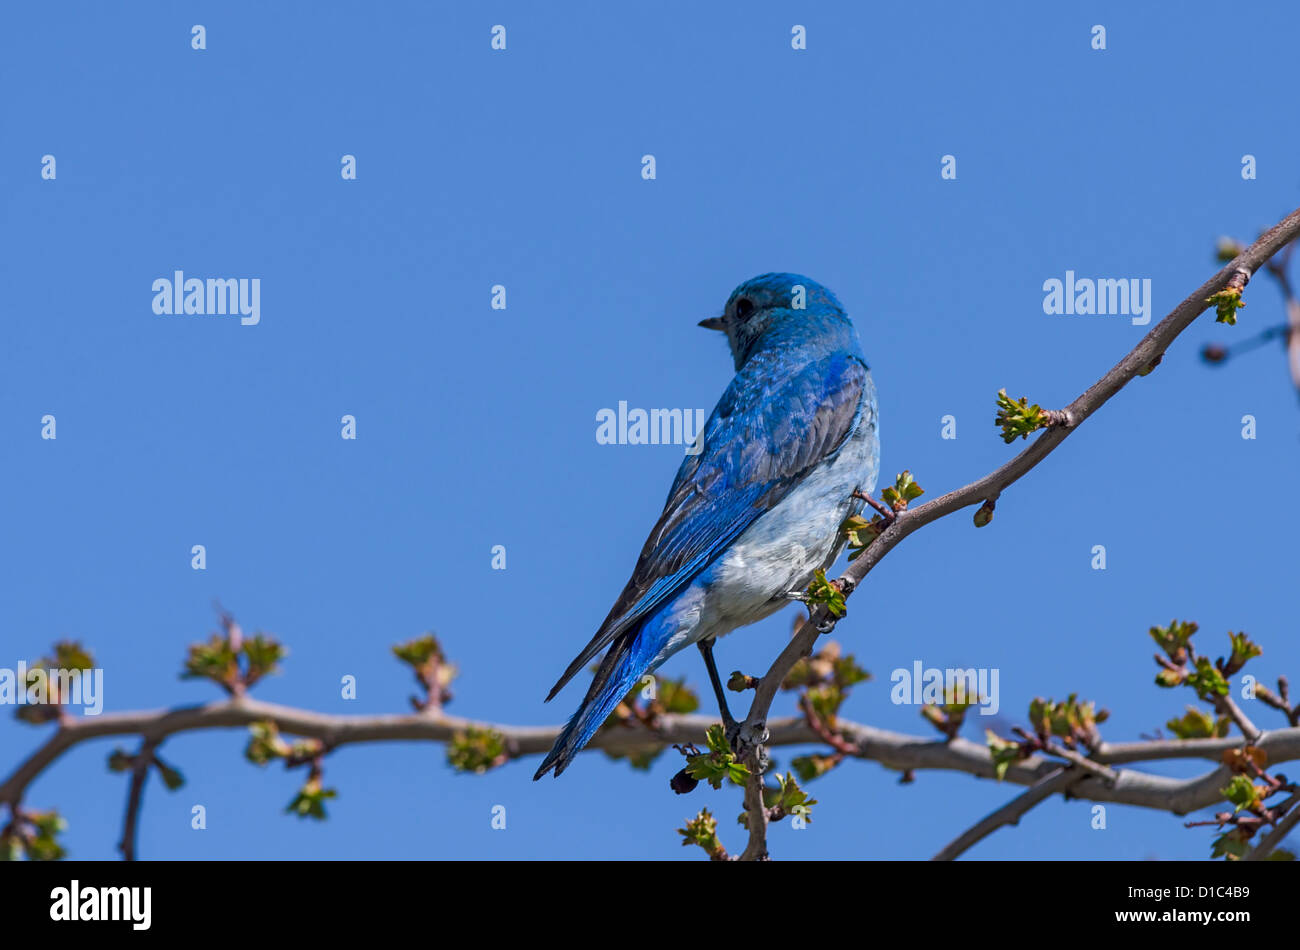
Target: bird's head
{"x": 792, "y": 304}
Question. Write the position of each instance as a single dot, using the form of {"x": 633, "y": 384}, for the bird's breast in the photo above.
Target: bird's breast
{"x": 782, "y": 549}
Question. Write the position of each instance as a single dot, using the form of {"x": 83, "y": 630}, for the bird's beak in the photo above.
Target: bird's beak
{"x": 713, "y": 323}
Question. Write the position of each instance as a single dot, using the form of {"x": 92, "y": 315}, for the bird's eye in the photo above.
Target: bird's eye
{"x": 744, "y": 307}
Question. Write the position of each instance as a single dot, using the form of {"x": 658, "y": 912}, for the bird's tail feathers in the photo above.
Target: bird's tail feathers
{"x": 625, "y": 663}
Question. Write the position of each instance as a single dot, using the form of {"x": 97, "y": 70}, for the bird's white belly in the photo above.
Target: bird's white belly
{"x": 780, "y": 551}
{"x": 777, "y": 554}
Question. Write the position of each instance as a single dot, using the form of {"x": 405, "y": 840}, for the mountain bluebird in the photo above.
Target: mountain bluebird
{"x": 757, "y": 511}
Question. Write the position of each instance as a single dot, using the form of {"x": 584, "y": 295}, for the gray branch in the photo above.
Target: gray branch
{"x": 898, "y": 751}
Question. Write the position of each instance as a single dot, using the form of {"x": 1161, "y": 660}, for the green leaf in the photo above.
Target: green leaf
{"x": 1018, "y": 419}
{"x": 674, "y": 696}
{"x": 1231, "y": 846}
{"x": 739, "y": 682}
{"x": 641, "y": 761}
{"x": 809, "y": 767}
{"x": 860, "y": 532}
{"x": 476, "y": 750}
{"x": 826, "y": 701}
{"x": 1071, "y": 719}
{"x": 429, "y": 663}
{"x": 951, "y": 716}
{"x": 1196, "y": 724}
{"x": 1207, "y": 680}
{"x": 1174, "y": 638}
{"x": 828, "y": 676}
{"x": 170, "y": 776}
{"x": 265, "y": 743}
{"x": 1002, "y": 752}
{"x": 847, "y": 672}
{"x": 1227, "y": 249}
{"x": 1171, "y": 678}
{"x": 702, "y": 830}
{"x": 904, "y": 490}
{"x": 70, "y": 655}
{"x": 789, "y": 797}
{"x": 418, "y": 652}
{"x": 1243, "y": 649}
{"x": 263, "y": 653}
{"x": 11, "y": 847}
{"x": 1242, "y": 792}
{"x": 214, "y": 660}
{"x": 715, "y": 737}
{"x": 310, "y": 800}
{"x": 1226, "y": 304}
{"x": 34, "y": 835}
{"x": 823, "y": 592}
{"x": 719, "y": 763}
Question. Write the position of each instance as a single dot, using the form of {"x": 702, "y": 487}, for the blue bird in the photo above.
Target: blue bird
{"x": 757, "y": 510}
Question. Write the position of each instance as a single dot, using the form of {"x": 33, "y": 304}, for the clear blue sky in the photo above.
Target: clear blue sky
{"x": 476, "y": 427}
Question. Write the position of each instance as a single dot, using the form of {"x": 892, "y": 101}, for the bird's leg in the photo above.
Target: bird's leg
{"x": 729, "y": 725}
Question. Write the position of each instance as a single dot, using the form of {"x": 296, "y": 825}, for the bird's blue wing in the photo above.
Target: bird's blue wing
{"x": 771, "y": 427}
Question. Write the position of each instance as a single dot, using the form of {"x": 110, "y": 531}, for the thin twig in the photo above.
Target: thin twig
{"x": 1283, "y": 828}
{"x": 135, "y": 797}
{"x": 1010, "y": 813}
{"x": 825, "y": 732}
{"x": 1224, "y": 705}
{"x": 1103, "y": 772}
{"x": 885, "y": 511}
